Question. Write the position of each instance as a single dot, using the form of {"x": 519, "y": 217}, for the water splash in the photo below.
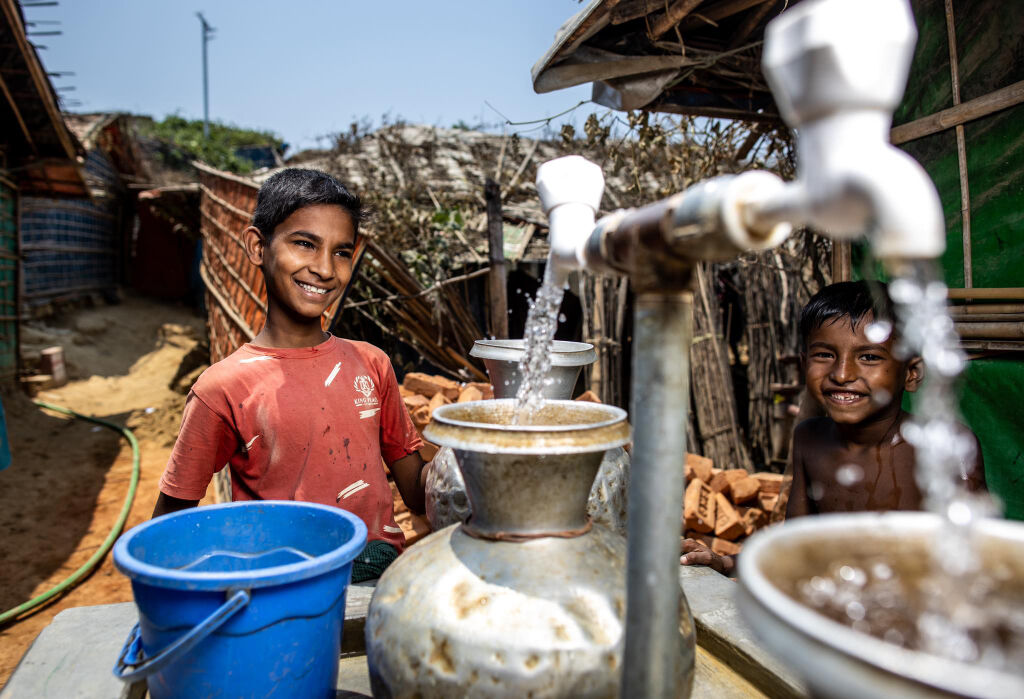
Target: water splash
{"x": 957, "y": 622}
{"x": 541, "y": 322}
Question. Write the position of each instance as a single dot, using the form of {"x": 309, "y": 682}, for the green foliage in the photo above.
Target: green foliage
{"x": 186, "y": 138}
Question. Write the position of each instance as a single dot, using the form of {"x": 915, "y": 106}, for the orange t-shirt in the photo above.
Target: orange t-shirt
{"x": 309, "y": 424}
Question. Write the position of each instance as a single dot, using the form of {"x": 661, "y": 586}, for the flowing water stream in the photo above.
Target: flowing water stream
{"x": 541, "y": 322}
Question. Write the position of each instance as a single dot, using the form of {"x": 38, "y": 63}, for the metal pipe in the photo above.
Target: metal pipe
{"x": 654, "y": 664}
{"x": 706, "y": 222}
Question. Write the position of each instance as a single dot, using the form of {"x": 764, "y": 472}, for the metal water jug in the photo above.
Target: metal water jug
{"x": 526, "y": 598}
{"x": 446, "y": 501}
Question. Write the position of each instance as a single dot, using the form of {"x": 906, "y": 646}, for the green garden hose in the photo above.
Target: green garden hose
{"x": 111, "y": 537}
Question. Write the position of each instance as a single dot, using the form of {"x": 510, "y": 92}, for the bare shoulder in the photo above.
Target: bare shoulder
{"x": 812, "y": 430}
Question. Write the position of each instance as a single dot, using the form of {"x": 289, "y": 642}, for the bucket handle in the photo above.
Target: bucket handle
{"x": 130, "y": 664}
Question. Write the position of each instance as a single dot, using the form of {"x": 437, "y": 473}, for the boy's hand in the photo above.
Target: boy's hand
{"x": 696, "y": 553}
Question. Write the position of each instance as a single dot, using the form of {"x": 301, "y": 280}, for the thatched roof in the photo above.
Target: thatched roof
{"x": 697, "y": 57}
{"x": 432, "y": 168}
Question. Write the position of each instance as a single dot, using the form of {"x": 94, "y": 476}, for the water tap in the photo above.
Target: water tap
{"x": 837, "y": 70}
{"x": 570, "y": 191}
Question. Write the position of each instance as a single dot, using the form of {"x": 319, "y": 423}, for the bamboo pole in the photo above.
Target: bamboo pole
{"x": 841, "y": 261}
{"x": 987, "y": 293}
{"x": 991, "y": 330}
{"x": 987, "y": 317}
{"x": 985, "y": 309}
{"x": 719, "y": 11}
{"x": 673, "y": 16}
{"x": 750, "y": 23}
{"x": 1004, "y": 98}
{"x": 497, "y": 279}
{"x": 961, "y": 148}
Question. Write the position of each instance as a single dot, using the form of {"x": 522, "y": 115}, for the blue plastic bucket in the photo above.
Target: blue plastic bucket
{"x": 244, "y": 599}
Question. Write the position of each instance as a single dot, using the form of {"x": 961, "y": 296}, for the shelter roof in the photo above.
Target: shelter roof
{"x": 114, "y": 134}
{"x": 696, "y": 57}
{"x": 41, "y": 153}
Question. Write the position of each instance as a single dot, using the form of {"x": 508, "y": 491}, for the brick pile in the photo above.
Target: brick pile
{"x": 721, "y": 507}
{"x": 724, "y": 506}
{"x": 422, "y": 393}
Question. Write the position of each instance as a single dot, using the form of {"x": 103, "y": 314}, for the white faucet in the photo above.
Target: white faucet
{"x": 570, "y": 190}
{"x": 837, "y": 69}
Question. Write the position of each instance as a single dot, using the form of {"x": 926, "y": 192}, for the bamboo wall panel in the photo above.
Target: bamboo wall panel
{"x": 990, "y": 55}
{"x": 72, "y": 246}
{"x": 8, "y": 280}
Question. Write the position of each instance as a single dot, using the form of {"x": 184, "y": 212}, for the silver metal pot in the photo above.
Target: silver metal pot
{"x": 834, "y": 659}
{"x": 446, "y": 500}
{"x": 501, "y": 357}
{"x": 528, "y": 597}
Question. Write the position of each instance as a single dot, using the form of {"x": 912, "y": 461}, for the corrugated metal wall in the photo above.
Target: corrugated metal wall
{"x": 8, "y": 279}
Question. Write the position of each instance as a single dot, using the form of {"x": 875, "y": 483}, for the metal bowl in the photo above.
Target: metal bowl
{"x": 501, "y": 357}
{"x": 836, "y": 660}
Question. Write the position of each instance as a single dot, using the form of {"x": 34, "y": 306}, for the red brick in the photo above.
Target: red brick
{"x": 698, "y": 467}
{"x": 429, "y": 386}
{"x": 728, "y": 523}
{"x": 470, "y": 393}
{"x": 771, "y": 483}
{"x": 744, "y": 489}
{"x": 725, "y": 548}
{"x": 699, "y": 507}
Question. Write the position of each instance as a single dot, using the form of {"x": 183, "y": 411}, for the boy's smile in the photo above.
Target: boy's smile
{"x": 854, "y": 379}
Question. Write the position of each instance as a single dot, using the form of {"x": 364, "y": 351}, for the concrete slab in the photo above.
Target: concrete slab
{"x": 74, "y": 655}
{"x": 727, "y": 638}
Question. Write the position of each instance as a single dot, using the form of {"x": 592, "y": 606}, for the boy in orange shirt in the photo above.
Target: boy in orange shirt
{"x": 298, "y": 414}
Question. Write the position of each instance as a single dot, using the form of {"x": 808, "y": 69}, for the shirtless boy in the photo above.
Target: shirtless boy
{"x": 853, "y": 458}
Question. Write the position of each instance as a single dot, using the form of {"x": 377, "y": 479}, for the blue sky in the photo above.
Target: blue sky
{"x": 306, "y": 68}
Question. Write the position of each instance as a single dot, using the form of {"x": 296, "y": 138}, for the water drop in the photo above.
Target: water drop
{"x": 855, "y": 610}
{"x": 561, "y": 317}
{"x": 849, "y": 474}
{"x": 936, "y": 292}
{"x": 878, "y": 331}
{"x": 853, "y": 575}
{"x": 816, "y": 491}
{"x": 881, "y": 397}
{"x": 948, "y": 362}
{"x": 881, "y": 571}
{"x": 959, "y": 513}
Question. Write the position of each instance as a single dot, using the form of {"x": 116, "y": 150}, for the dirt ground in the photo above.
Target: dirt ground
{"x": 67, "y": 484}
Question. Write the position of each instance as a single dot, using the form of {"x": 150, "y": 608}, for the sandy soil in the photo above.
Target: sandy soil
{"x": 67, "y": 484}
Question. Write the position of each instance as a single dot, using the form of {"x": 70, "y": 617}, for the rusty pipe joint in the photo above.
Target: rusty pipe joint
{"x": 704, "y": 223}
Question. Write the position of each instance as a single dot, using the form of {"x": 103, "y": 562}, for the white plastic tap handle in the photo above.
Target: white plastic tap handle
{"x": 822, "y": 56}
{"x": 570, "y": 190}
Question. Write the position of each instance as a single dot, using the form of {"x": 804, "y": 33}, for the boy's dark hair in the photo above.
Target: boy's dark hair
{"x": 845, "y": 299}
{"x": 287, "y": 191}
